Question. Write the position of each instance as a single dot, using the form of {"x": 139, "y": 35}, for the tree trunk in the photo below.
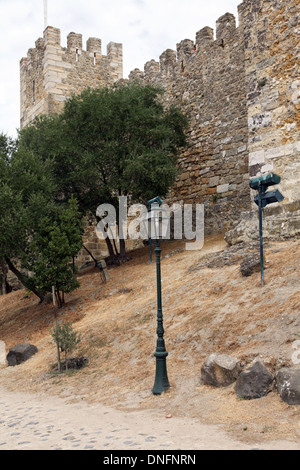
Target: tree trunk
{"x": 58, "y": 358}
{"x": 58, "y": 297}
{"x": 24, "y": 279}
{"x": 91, "y": 255}
{"x": 112, "y": 254}
{"x": 122, "y": 250}
{"x": 55, "y": 320}
{"x": 3, "y": 277}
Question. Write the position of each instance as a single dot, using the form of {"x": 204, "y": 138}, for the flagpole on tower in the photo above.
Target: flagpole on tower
{"x": 45, "y": 14}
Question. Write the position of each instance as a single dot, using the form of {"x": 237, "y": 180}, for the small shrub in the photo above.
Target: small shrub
{"x": 66, "y": 339}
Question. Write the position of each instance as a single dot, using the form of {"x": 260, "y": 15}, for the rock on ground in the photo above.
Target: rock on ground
{"x": 220, "y": 370}
{"x": 256, "y": 382}
{"x": 288, "y": 385}
{"x": 250, "y": 264}
{"x": 20, "y": 353}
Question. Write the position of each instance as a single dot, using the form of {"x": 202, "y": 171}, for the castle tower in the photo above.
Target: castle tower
{"x": 51, "y": 73}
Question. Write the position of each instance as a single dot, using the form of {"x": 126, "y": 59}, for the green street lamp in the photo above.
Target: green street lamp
{"x": 262, "y": 199}
{"x": 157, "y": 224}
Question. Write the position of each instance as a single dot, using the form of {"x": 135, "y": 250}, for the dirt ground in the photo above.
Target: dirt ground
{"x": 208, "y": 307}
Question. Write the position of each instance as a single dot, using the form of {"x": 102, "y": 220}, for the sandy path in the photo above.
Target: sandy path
{"x": 38, "y": 422}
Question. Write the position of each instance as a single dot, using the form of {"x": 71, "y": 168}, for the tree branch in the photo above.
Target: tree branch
{"x": 24, "y": 279}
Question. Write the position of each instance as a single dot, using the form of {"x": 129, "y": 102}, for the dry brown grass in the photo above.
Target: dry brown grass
{"x": 205, "y": 310}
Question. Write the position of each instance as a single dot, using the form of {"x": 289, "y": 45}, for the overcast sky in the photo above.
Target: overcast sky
{"x": 146, "y": 28}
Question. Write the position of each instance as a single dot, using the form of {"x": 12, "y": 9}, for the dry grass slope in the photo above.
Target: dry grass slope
{"x": 206, "y": 309}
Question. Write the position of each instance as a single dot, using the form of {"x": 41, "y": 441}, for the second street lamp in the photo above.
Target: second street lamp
{"x": 157, "y": 226}
{"x": 262, "y": 199}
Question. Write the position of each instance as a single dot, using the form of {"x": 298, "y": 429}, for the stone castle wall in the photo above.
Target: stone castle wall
{"x": 272, "y": 77}
{"x": 272, "y": 80}
{"x": 205, "y": 79}
{"x": 239, "y": 87}
{"x": 240, "y": 91}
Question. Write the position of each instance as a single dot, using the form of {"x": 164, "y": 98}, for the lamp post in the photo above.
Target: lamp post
{"x": 262, "y": 199}
{"x": 157, "y": 226}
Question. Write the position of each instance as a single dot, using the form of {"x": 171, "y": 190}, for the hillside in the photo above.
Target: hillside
{"x": 208, "y": 307}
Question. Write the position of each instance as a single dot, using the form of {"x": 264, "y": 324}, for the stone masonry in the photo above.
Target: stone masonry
{"x": 205, "y": 79}
{"x": 51, "y": 73}
{"x": 272, "y": 79}
{"x": 241, "y": 93}
{"x": 271, "y": 38}
{"x": 239, "y": 87}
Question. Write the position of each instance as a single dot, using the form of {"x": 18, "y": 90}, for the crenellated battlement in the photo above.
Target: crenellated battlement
{"x": 52, "y": 36}
{"x": 225, "y": 27}
{"x": 204, "y": 38}
{"x": 51, "y": 73}
{"x": 187, "y": 51}
{"x": 205, "y": 78}
{"x": 74, "y": 41}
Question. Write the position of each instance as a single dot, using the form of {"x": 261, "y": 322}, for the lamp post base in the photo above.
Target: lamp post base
{"x": 161, "y": 383}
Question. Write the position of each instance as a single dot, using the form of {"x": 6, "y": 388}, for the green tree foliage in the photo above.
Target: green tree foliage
{"x": 38, "y": 236}
{"x": 72, "y": 170}
{"x": 132, "y": 140}
{"x": 50, "y": 252}
{"x": 111, "y": 142}
{"x": 7, "y": 147}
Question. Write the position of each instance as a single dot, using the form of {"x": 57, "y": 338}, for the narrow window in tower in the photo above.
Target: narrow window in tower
{"x": 33, "y": 91}
{"x": 76, "y": 55}
{"x": 94, "y": 58}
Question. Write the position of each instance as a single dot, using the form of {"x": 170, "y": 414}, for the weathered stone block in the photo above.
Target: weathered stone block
{"x": 214, "y": 181}
{"x": 20, "y": 353}
{"x": 211, "y": 190}
{"x": 74, "y": 363}
{"x": 220, "y": 370}
{"x": 281, "y": 222}
{"x": 275, "y": 152}
{"x": 256, "y": 157}
{"x": 288, "y": 385}
{"x": 256, "y": 382}
{"x": 250, "y": 264}
{"x": 222, "y": 188}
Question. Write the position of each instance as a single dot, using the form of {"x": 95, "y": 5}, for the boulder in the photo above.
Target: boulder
{"x": 220, "y": 370}
{"x": 20, "y": 353}
{"x": 250, "y": 264}
{"x": 255, "y": 382}
{"x": 288, "y": 385}
{"x": 74, "y": 363}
